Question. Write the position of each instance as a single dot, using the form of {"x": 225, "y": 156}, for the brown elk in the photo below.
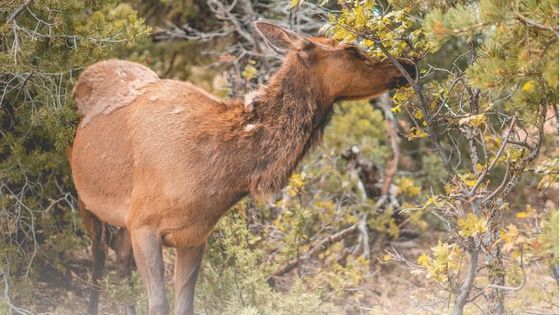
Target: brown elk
{"x": 165, "y": 160}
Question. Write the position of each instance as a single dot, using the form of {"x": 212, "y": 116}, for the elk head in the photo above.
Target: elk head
{"x": 342, "y": 71}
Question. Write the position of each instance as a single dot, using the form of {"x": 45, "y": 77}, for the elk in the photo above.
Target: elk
{"x": 165, "y": 160}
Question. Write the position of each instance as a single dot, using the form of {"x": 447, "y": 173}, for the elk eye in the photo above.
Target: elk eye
{"x": 356, "y": 53}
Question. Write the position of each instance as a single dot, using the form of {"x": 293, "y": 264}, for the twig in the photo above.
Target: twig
{"x": 319, "y": 247}
{"x": 362, "y": 228}
{"x": 501, "y": 187}
{"x": 496, "y": 158}
{"x": 534, "y": 24}
{"x": 391, "y": 127}
{"x": 18, "y": 11}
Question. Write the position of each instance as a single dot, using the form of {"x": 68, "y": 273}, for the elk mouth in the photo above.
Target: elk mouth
{"x": 402, "y": 81}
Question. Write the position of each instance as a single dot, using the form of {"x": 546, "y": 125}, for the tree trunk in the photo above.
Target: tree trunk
{"x": 497, "y": 273}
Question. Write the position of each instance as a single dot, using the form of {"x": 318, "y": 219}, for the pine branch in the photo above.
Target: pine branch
{"x": 534, "y": 24}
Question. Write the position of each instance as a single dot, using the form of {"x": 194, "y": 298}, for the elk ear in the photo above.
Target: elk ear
{"x": 281, "y": 40}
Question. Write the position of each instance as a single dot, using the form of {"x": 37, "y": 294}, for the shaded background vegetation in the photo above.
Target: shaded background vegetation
{"x": 384, "y": 217}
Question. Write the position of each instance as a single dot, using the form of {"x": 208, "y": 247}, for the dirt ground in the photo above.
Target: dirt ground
{"x": 391, "y": 288}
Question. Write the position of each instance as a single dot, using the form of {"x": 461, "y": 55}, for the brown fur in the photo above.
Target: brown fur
{"x": 172, "y": 161}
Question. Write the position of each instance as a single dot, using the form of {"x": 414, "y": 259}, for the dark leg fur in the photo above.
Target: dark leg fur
{"x": 97, "y": 232}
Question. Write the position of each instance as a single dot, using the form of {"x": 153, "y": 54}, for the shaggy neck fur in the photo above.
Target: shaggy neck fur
{"x": 287, "y": 119}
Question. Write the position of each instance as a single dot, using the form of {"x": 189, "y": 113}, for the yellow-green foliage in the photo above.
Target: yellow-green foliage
{"x": 233, "y": 279}
{"x": 443, "y": 264}
{"x": 357, "y": 123}
{"x": 40, "y": 52}
{"x": 505, "y": 65}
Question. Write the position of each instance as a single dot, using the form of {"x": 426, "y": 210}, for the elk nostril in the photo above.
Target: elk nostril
{"x": 403, "y": 82}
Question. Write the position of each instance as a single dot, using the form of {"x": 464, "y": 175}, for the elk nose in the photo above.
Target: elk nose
{"x": 409, "y": 67}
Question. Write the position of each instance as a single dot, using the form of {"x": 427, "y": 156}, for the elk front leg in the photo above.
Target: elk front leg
{"x": 147, "y": 246}
{"x": 187, "y": 266}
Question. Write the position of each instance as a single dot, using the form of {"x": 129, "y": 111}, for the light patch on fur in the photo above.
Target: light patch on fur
{"x": 177, "y": 110}
{"x": 250, "y": 127}
{"x": 108, "y": 85}
{"x": 251, "y": 99}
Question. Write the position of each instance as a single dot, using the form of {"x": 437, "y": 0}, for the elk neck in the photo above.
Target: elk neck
{"x": 289, "y": 116}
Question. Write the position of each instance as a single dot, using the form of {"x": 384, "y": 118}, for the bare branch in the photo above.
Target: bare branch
{"x": 317, "y": 248}
{"x": 18, "y": 11}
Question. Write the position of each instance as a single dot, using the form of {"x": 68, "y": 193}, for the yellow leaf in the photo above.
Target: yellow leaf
{"x": 510, "y": 237}
{"x": 340, "y": 33}
{"x": 423, "y": 260}
{"x": 367, "y": 42}
{"x": 432, "y": 200}
{"x": 406, "y": 186}
{"x": 295, "y": 3}
{"x": 441, "y": 252}
{"x": 360, "y": 17}
{"x": 478, "y": 120}
{"x": 396, "y": 109}
{"x": 521, "y": 215}
{"x": 470, "y": 183}
{"x": 529, "y": 86}
{"x": 295, "y": 184}
{"x": 468, "y": 179}
{"x": 249, "y": 72}
{"x": 480, "y": 167}
{"x": 387, "y": 258}
{"x": 474, "y": 120}
{"x": 471, "y": 225}
{"x": 415, "y": 133}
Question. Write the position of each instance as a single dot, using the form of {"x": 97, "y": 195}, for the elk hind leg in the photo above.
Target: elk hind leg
{"x": 97, "y": 233}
